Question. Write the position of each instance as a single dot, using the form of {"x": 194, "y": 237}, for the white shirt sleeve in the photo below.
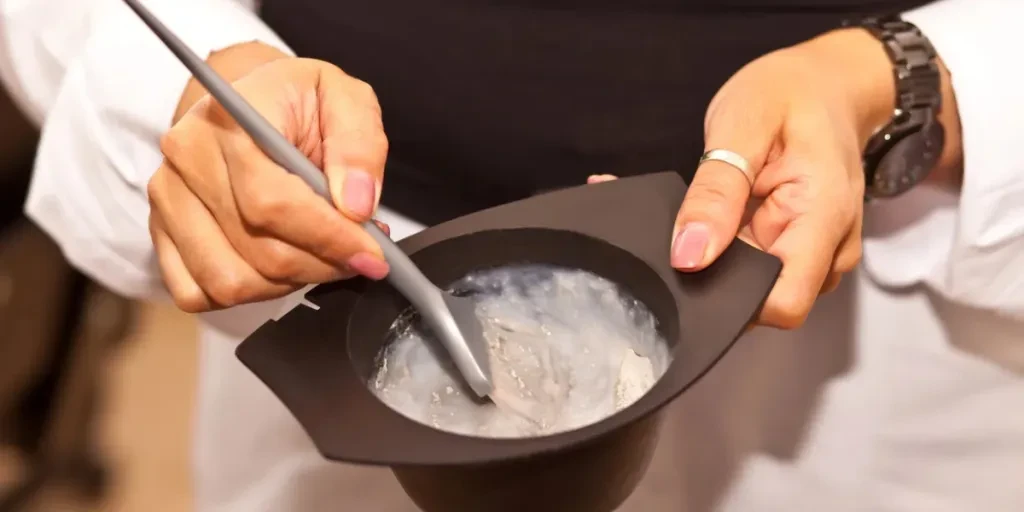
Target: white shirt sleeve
{"x": 968, "y": 248}
{"x": 104, "y": 89}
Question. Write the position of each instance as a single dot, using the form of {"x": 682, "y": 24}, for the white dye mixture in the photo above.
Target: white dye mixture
{"x": 568, "y": 349}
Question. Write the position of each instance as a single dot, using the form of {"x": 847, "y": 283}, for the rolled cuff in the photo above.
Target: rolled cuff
{"x": 968, "y": 247}
{"x": 100, "y": 139}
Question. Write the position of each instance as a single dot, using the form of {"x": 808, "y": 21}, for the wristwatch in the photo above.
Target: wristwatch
{"x": 901, "y": 153}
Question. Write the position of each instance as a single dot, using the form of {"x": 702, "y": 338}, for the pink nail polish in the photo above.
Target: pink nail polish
{"x": 689, "y": 246}
{"x": 359, "y": 192}
{"x": 368, "y": 265}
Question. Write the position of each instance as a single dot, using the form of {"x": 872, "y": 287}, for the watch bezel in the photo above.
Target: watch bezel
{"x": 878, "y": 157}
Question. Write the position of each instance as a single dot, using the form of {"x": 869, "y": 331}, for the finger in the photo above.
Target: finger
{"x": 788, "y": 189}
{"x": 276, "y": 204}
{"x": 806, "y": 249}
{"x": 187, "y": 294}
{"x": 770, "y": 220}
{"x": 831, "y": 283}
{"x": 194, "y": 154}
{"x": 850, "y": 250}
{"x": 600, "y": 178}
{"x": 846, "y": 259}
{"x": 716, "y": 198}
{"x": 709, "y": 217}
{"x": 355, "y": 146}
{"x": 225, "y": 278}
{"x": 281, "y": 206}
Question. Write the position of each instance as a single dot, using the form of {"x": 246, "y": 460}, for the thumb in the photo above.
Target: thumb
{"x": 716, "y": 199}
{"x": 354, "y": 147}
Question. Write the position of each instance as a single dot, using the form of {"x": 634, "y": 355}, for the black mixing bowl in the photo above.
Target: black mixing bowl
{"x": 319, "y": 361}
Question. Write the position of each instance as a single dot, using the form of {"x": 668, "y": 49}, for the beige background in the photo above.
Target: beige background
{"x": 147, "y": 414}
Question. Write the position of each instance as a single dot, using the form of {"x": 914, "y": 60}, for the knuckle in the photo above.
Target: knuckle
{"x": 788, "y": 312}
{"x": 844, "y": 201}
{"x": 363, "y": 90}
{"x": 834, "y": 284}
{"x": 847, "y": 211}
{"x": 849, "y": 257}
{"x": 174, "y": 143}
{"x": 190, "y": 302}
{"x": 154, "y": 188}
{"x": 831, "y": 283}
{"x": 789, "y": 320}
{"x": 169, "y": 142}
{"x": 264, "y": 211}
{"x": 157, "y": 187}
{"x": 183, "y": 147}
{"x": 229, "y": 288}
{"x": 276, "y": 261}
{"x": 188, "y": 297}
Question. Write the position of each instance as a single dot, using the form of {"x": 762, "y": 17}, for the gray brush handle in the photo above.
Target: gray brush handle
{"x": 404, "y": 275}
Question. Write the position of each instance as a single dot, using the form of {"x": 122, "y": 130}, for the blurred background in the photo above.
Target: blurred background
{"x": 87, "y": 379}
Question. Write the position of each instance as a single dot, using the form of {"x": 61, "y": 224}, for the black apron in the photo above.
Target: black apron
{"x": 490, "y": 101}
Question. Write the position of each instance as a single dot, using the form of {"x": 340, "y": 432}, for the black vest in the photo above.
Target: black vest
{"x": 488, "y": 101}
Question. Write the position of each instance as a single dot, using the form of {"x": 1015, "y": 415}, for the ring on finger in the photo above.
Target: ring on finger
{"x": 731, "y": 158}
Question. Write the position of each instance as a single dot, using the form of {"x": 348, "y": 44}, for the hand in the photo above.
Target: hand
{"x": 229, "y": 226}
{"x": 800, "y": 117}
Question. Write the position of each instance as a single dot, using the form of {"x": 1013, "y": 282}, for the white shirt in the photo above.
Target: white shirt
{"x": 911, "y": 372}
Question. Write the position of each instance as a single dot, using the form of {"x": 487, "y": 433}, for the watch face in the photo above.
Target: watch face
{"x": 908, "y": 161}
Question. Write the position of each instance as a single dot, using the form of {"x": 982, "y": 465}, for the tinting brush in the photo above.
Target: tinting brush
{"x": 452, "y": 319}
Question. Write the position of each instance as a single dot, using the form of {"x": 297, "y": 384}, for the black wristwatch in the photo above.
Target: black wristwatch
{"x": 902, "y": 153}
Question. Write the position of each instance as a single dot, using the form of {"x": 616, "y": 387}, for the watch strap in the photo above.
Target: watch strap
{"x": 916, "y": 74}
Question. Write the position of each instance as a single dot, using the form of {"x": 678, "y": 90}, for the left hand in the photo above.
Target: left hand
{"x": 801, "y": 117}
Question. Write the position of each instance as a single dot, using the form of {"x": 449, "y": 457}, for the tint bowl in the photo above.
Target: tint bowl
{"x": 319, "y": 362}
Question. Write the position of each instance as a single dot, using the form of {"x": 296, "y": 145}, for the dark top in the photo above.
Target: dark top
{"x": 489, "y": 101}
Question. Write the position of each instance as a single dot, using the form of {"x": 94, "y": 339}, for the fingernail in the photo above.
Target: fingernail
{"x": 383, "y": 227}
{"x": 359, "y": 193}
{"x": 689, "y": 246}
{"x": 368, "y": 265}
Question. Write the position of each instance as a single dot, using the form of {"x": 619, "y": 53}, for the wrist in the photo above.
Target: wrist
{"x": 864, "y": 73}
{"x": 230, "y": 63}
{"x": 858, "y": 63}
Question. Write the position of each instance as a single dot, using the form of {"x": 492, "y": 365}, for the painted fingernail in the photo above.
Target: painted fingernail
{"x": 689, "y": 246}
{"x": 368, "y": 265}
{"x": 359, "y": 192}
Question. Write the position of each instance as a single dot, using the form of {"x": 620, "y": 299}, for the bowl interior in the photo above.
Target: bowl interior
{"x": 380, "y": 304}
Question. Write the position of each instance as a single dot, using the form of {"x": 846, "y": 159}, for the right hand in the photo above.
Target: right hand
{"x": 231, "y": 227}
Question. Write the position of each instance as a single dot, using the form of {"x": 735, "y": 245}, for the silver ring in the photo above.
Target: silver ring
{"x": 729, "y": 157}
